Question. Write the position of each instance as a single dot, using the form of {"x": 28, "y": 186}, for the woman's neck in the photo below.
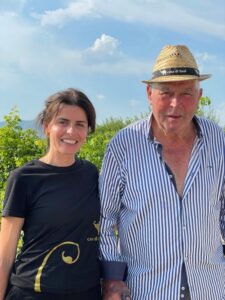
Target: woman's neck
{"x": 56, "y": 161}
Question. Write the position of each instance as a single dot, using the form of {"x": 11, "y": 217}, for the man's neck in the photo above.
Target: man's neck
{"x": 176, "y": 137}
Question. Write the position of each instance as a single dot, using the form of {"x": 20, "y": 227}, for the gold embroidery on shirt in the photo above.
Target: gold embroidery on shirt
{"x": 95, "y": 238}
{"x": 97, "y": 226}
{"x": 66, "y": 259}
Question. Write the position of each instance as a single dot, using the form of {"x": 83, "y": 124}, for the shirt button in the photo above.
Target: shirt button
{"x": 183, "y": 288}
{"x": 182, "y": 295}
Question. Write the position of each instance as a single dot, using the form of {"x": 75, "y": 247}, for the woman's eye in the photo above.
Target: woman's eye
{"x": 81, "y": 125}
{"x": 62, "y": 122}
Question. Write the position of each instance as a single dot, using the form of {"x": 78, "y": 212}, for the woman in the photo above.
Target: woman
{"x": 54, "y": 200}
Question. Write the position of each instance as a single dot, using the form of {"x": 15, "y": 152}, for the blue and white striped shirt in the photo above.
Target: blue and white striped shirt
{"x": 158, "y": 230}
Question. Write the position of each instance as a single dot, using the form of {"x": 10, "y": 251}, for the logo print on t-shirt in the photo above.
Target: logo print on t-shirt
{"x": 67, "y": 259}
{"x": 95, "y": 238}
{"x": 97, "y": 226}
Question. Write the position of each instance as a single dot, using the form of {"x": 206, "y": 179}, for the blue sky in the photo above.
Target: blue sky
{"x": 104, "y": 48}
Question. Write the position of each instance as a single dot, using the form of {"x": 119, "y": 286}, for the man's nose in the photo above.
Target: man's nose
{"x": 174, "y": 101}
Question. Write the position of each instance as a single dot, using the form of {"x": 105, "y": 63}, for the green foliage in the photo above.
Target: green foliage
{"x": 95, "y": 146}
{"x": 205, "y": 109}
{"x": 17, "y": 146}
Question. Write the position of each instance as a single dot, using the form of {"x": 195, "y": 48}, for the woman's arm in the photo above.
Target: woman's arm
{"x": 9, "y": 236}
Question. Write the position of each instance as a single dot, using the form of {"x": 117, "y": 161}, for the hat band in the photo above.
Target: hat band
{"x": 175, "y": 71}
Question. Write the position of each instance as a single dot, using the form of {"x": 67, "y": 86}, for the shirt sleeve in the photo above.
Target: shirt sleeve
{"x": 111, "y": 187}
{"x": 222, "y": 212}
{"x": 14, "y": 203}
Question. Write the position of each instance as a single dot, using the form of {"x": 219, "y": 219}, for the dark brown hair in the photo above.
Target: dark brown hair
{"x": 69, "y": 97}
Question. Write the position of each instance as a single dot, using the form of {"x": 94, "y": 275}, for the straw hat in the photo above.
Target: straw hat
{"x": 175, "y": 63}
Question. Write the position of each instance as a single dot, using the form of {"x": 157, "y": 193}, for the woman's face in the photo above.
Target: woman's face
{"x": 67, "y": 132}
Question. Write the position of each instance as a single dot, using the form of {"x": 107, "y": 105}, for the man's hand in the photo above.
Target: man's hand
{"x": 115, "y": 290}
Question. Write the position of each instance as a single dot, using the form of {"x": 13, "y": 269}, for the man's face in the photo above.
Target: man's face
{"x": 174, "y": 104}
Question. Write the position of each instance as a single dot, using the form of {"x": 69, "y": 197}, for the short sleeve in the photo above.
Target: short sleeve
{"x": 14, "y": 203}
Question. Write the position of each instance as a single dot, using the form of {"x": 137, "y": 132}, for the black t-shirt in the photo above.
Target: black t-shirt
{"x": 61, "y": 210}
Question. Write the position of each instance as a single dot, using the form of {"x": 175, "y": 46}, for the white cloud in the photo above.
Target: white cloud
{"x": 16, "y": 40}
{"x": 74, "y": 11}
{"x": 206, "y": 61}
{"x": 100, "y": 97}
{"x": 210, "y": 63}
{"x": 165, "y": 14}
{"x": 105, "y": 57}
{"x": 105, "y": 60}
{"x": 103, "y": 51}
{"x": 37, "y": 55}
{"x": 29, "y": 50}
{"x": 205, "y": 56}
{"x": 105, "y": 45}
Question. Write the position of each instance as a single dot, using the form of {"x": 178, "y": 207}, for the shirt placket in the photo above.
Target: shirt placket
{"x": 184, "y": 288}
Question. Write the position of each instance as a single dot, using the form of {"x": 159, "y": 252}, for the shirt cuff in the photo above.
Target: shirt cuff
{"x": 113, "y": 270}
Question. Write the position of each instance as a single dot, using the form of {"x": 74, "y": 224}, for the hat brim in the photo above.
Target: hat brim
{"x": 177, "y": 78}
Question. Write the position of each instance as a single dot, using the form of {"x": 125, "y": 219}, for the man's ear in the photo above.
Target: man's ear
{"x": 200, "y": 93}
{"x": 149, "y": 93}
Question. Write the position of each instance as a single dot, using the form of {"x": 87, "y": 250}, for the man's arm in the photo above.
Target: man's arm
{"x": 115, "y": 290}
{"x": 113, "y": 267}
{"x": 222, "y": 211}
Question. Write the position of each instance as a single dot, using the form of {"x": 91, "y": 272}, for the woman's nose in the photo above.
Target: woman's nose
{"x": 70, "y": 130}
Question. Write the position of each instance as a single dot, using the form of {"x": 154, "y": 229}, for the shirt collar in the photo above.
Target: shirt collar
{"x": 151, "y": 138}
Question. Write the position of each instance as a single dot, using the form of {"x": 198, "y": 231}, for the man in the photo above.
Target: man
{"x": 162, "y": 186}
